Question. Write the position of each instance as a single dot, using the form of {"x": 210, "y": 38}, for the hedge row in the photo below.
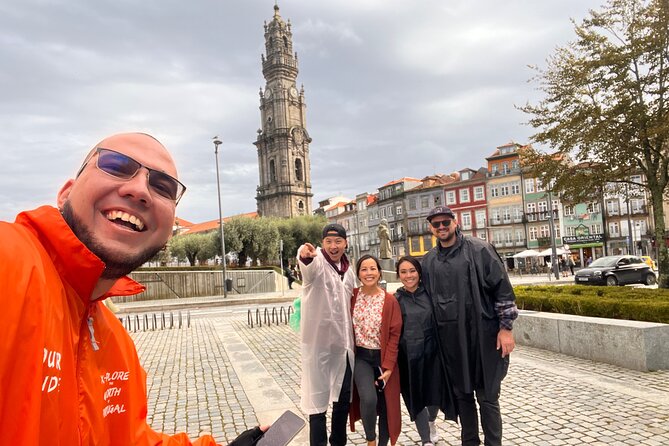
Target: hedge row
{"x": 638, "y": 304}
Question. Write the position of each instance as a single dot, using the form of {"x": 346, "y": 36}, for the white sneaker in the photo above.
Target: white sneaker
{"x": 434, "y": 435}
{"x": 428, "y": 444}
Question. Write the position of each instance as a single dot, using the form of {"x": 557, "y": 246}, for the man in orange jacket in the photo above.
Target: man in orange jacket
{"x": 69, "y": 372}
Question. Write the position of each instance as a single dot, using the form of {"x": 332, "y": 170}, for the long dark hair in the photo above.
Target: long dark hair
{"x": 362, "y": 259}
{"x": 414, "y": 261}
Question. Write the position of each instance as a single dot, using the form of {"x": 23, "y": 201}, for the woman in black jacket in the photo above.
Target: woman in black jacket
{"x": 424, "y": 385}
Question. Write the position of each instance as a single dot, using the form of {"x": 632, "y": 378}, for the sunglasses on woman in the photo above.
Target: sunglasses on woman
{"x": 123, "y": 167}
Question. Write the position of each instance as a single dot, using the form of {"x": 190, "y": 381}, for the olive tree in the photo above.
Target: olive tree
{"x": 193, "y": 247}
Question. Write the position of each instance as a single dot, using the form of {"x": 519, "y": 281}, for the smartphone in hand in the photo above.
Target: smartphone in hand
{"x": 380, "y": 384}
{"x": 283, "y": 430}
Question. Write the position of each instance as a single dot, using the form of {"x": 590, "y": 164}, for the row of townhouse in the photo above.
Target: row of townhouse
{"x": 500, "y": 203}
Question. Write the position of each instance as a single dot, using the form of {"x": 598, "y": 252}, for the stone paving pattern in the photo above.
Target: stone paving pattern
{"x": 547, "y": 398}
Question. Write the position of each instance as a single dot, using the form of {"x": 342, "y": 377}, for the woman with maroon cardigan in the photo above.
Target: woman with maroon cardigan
{"x": 377, "y": 325}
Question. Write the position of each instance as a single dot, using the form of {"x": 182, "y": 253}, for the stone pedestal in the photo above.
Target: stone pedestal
{"x": 387, "y": 264}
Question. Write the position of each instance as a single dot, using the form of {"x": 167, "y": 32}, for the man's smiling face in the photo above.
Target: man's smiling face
{"x": 122, "y": 221}
{"x": 444, "y": 230}
{"x": 335, "y": 246}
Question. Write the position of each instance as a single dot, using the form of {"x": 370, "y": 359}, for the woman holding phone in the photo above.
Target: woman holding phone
{"x": 423, "y": 382}
{"x": 377, "y": 324}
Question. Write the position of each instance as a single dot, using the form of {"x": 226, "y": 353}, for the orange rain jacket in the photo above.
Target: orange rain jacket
{"x": 69, "y": 372}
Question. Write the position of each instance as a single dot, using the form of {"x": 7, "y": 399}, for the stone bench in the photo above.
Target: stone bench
{"x": 631, "y": 344}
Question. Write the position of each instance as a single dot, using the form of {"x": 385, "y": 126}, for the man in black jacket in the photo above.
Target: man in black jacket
{"x": 474, "y": 307}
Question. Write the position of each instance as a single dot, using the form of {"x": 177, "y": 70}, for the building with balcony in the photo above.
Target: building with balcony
{"x": 467, "y": 199}
{"x": 540, "y": 207}
{"x": 506, "y": 229}
{"x": 359, "y": 245}
{"x": 418, "y": 202}
{"x": 629, "y": 224}
{"x": 583, "y": 230}
{"x": 391, "y": 207}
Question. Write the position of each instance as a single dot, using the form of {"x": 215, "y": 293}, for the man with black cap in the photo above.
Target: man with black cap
{"x": 327, "y": 334}
{"x": 474, "y": 307}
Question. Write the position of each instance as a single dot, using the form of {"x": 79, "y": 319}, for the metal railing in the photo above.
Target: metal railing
{"x": 268, "y": 316}
{"x": 155, "y": 321}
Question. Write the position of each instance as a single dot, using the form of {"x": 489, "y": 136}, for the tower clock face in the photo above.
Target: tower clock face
{"x": 268, "y": 93}
{"x": 293, "y": 92}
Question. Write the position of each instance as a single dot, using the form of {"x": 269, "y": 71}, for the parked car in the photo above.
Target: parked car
{"x": 616, "y": 270}
{"x": 650, "y": 262}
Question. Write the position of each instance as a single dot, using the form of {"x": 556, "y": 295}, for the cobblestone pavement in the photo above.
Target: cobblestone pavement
{"x": 221, "y": 376}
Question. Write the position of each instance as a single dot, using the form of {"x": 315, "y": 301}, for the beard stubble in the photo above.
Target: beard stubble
{"x": 117, "y": 265}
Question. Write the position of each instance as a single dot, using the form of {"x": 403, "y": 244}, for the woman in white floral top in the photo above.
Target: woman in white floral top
{"x": 377, "y": 325}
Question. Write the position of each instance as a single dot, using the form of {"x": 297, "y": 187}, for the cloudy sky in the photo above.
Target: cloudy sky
{"x": 393, "y": 87}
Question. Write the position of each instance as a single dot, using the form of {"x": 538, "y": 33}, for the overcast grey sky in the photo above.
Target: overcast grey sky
{"x": 393, "y": 88}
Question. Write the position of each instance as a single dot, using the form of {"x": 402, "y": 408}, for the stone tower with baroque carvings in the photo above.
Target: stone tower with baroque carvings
{"x": 283, "y": 140}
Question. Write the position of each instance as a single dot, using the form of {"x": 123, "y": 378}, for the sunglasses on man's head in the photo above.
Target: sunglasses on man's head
{"x": 123, "y": 167}
{"x": 444, "y": 223}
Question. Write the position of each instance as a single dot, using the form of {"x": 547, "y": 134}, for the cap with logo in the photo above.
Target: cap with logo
{"x": 334, "y": 230}
{"x": 440, "y": 210}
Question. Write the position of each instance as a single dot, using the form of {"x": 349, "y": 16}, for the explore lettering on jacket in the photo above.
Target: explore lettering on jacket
{"x": 51, "y": 367}
{"x": 113, "y": 391}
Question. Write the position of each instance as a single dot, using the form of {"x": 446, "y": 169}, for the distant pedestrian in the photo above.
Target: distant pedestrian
{"x": 327, "y": 335}
{"x": 588, "y": 262}
{"x": 288, "y": 272}
{"x": 564, "y": 266}
{"x": 571, "y": 265}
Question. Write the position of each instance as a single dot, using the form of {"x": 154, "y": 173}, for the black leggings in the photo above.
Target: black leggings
{"x": 371, "y": 401}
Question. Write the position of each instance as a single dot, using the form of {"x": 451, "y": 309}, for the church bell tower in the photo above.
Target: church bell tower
{"x": 283, "y": 140}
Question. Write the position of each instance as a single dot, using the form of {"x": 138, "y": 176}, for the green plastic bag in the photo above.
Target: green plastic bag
{"x": 294, "y": 320}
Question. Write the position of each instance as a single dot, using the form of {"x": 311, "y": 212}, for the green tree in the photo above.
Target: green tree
{"x": 234, "y": 233}
{"x": 193, "y": 247}
{"x": 605, "y": 105}
{"x": 251, "y": 238}
{"x": 298, "y": 230}
{"x": 162, "y": 257}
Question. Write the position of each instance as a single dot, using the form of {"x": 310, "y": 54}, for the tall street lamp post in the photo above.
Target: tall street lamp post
{"x": 630, "y": 238}
{"x": 551, "y": 228}
{"x": 217, "y": 143}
